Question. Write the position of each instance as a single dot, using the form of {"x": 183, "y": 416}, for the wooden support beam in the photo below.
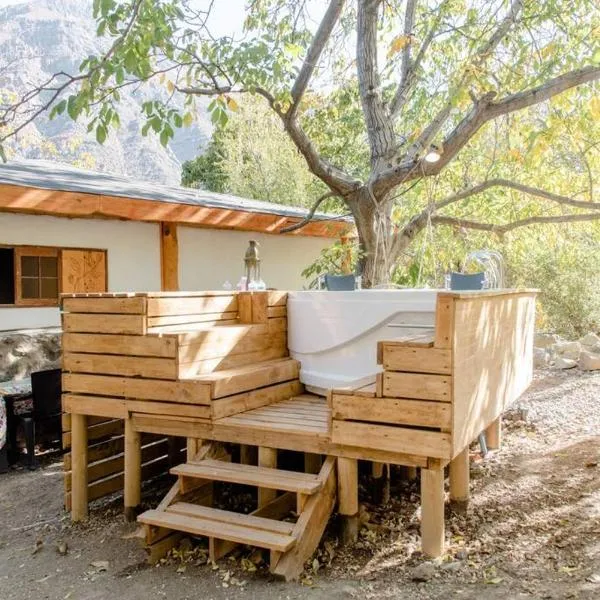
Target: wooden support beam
{"x": 432, "y": 509}
{"x": 79, "y": 467}
{"x": 132, "y": 470}
{"x": 381, "y": 482}
{"x": 193, "y": 446}
{"x": 348, "y": 498}
{"x": 248, "y": 454}
{"x": 493, "y": 434}
{"x": 169, "y": 257}
{"x": 312, "y": 462}
{"x": 267, "y": 457}
{"x": 459, "y": 478}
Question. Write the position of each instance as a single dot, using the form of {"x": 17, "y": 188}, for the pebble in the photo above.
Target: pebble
{"x": 423, "y": 572}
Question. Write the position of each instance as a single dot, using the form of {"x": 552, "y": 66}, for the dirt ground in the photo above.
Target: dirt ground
{"x": 532, "y": 529}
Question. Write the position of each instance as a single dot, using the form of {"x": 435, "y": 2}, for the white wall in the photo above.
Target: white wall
{"x": 209, "y": 257}
{"x": 133, "y": 257}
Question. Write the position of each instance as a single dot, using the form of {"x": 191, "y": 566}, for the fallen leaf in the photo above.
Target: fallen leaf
{"x": 591, "y": 464}
{"x": 494, "y": 580}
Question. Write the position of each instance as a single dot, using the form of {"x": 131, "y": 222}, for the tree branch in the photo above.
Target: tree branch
{"x": 482, "y": 111}
{"x": 380, "y": 129}
{"x": 482, "y": 54}
{"x": 313, "y": 55}
{"x": 310, "y": 215}
{"x": 501, "y": 229}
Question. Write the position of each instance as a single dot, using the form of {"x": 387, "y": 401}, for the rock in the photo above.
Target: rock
{"x": 28, "y": 350}
{"x": 462, "y": 555}
{"x": 540, "y": 358}
{"x": 424, "y": 572}
{"x": 568, "y": 350}
{"x": 590, "y": 339}
{"x": 349, "y": 591}
{"x": 545, "y": 340}
{"x": 452, "y": 567}
{"x": 564, "y": 363}
{"x": 589, "y": 361}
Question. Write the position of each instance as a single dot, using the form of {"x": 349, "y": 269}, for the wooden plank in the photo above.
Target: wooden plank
{"x": 130, "y": 366}
{"x": 104, "y": 323}
{"x": 95, "y": 432}
{"x": 382, "y": 456}
{"x": 167, "y": 408}
{"x": 228, "y": 344}
{"x": 112, "y": 464}
{"x": 392, "y": 439}
{"x": 169, "y": 257}
{"x": 310, "y": 526}
{"x": 167, "y": 425}
{"x": 260, "y": 308}
{"x": 417, "y": 360}
{"x": 94, "y": 405}
{"x": 66, "y": 421}
{"x": 184, "y": 320}
{"x": 254, "y": 399}
{"x": 196, "y": 369}
{"x": 261, "y": 476}
{"x": 228, "y": 531}
{"x": 241, "y": 379}
{"x": 444, "y": 321}
{"x": 164, "y": 306}
{"x": 420, "y": 413}
{"x": 258, "y": 436}
{"x": 492, "y": 362}
{"x": 419, "y": 386}
{"x": 277, "y": 298}
{"x": 188, "y": 392}
{"x": 347, "y": 486}
{"x": 248, "y": 420}
{"x": 129, "y": 345}
{"x": 132, "y": 305}
{"x": 227, "y": 516}
{"x": 276, "y": 311}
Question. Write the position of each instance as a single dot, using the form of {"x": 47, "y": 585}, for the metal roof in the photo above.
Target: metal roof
{"x": 50, "y": 175}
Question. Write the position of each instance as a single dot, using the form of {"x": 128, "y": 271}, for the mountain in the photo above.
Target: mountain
{"x": 41, "y": 37}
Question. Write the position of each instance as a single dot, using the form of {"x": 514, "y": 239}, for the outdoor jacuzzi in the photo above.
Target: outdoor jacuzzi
{"x": 334, "y": 335}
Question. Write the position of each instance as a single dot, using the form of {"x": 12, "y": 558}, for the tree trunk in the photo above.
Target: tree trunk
{"x": 373, "y": 223}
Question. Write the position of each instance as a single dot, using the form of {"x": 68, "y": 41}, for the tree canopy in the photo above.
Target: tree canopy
{"x": 415, "y": 113}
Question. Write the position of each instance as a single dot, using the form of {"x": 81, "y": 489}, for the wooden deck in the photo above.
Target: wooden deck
{"x": 214, "y": 367}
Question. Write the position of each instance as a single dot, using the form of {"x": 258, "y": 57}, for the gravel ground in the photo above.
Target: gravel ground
{"x": 532, "y": 528}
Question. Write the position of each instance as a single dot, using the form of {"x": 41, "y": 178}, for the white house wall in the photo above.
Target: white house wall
{"x": 133, "y": 257}
{"x": 209, "y": 257}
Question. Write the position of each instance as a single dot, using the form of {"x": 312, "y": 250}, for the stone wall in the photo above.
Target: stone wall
{"x": 27, "y": 350}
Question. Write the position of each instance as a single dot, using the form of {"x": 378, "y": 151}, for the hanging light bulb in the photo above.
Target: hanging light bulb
{"x": 433, "y": 154}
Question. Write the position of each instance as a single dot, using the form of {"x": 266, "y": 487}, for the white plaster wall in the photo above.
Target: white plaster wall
{"x": 133, "y": 257}
{"x": 209, "y": 257}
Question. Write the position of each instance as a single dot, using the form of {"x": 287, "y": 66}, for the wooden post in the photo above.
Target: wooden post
{"x": 193, "y": 446}
{"x": 459, "y": 479}
{"x": 348, "y": 498}
{"x": 79, "y": 467}
{"x": 248, "y": 454}
{"x": 169, "y": 257}
{"x": 411, "y": 473}
{"x": 381, "y": 483}
{"x": 267, "y": 457}
{"x": 493, "y": 434}
{"x": 312, "y": 462}
{"x": 432, "y": 509}
{"x": 132, "y": 470}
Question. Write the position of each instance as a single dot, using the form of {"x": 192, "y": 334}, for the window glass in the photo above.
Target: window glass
{"x": 49, "y": 266}
{"x": 30, "y": 287}
{"x": 49, "y": 288}
{"x": 30, "y": 266}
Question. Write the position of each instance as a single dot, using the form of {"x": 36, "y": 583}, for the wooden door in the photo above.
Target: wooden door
{"x": 83, "y": 271}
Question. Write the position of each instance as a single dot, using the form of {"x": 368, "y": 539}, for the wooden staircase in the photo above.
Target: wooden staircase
{"x": 290, "y": 544}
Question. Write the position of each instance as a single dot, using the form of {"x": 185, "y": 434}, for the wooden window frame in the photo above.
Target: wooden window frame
{"x": 53, "y": 251}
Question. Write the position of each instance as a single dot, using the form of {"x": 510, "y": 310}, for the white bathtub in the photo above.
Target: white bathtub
{"x": 334, "y": 335}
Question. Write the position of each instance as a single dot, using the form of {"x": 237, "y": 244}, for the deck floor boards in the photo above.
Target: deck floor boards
{"x": 305, "y": 414}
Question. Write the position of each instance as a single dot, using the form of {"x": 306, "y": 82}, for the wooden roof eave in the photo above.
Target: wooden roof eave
{"x": 58, "y": 203}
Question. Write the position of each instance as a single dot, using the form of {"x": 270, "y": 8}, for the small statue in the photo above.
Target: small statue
{"x": 252, "y": 262}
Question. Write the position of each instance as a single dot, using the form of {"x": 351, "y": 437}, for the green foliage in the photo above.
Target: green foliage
{"x": 251, "y": 156}
{"x": 567, "y": 272}
{"x": 336, "y": 259}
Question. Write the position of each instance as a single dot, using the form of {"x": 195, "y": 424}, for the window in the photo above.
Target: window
{"x": 36, "y": 275}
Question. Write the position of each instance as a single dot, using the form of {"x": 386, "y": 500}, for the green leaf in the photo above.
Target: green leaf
{"x": 59, "y": 109}
{"x": 100, "y": 134}
{"x": 131, "y": 61}
{"x": 73, "y": 108}
{"x": 188, "y": 119}
{"x": 164, "y": 137}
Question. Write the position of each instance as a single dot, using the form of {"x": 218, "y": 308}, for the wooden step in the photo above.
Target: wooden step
{"x": 213, "y": 525}
{"x": 264, "y": 477}
{"x": 250, "y": 377}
